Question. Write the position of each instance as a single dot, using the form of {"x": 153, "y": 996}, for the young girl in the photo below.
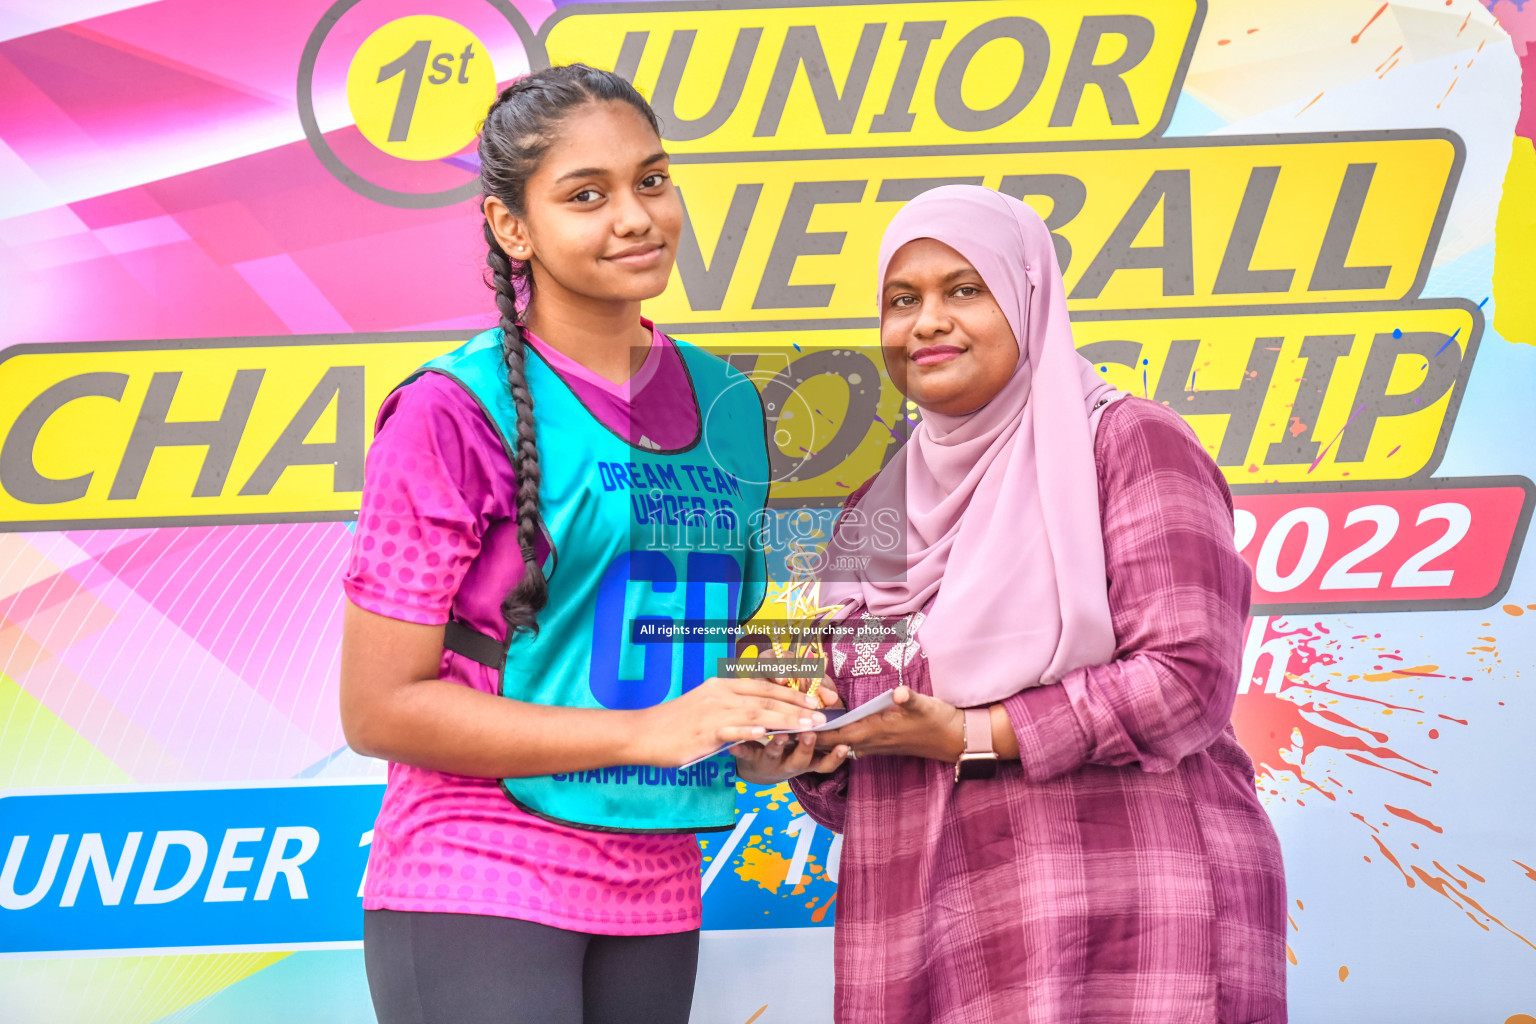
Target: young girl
{"x": 1056, "y": 821}
{"x": 534, "y": 859}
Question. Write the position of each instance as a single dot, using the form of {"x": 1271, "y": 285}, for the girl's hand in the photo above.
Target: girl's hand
{"x": 919, "y": 726}
{"x": 784, "y": 757}
{"x": 717, "y": 712}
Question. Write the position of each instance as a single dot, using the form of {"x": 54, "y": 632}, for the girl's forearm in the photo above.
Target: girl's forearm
{"x": 449, "y": 727}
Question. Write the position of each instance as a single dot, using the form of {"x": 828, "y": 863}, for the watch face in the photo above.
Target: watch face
{"x": 976, "y": 766}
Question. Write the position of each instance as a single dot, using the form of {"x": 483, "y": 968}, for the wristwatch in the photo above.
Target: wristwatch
{"x": 978, "y": 760}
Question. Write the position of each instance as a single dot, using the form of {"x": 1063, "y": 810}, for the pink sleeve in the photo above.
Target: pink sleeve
{"x": 825, "y": 796}
{"x": 432, "y": 485}
{"x": 1178, "y": 595}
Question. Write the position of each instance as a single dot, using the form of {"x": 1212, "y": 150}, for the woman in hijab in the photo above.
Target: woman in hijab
{"x": 1055, "y": 822}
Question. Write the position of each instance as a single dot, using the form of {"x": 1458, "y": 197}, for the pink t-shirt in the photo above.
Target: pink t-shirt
{"x": 436, "y": 531}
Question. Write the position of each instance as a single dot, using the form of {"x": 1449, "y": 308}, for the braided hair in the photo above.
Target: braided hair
{"x": 517, "y": 132}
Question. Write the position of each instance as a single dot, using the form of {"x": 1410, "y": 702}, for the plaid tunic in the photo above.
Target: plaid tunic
{"x": 1122, "y": 871}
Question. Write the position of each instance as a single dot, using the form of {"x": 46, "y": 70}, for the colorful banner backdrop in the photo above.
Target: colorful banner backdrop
{"x": 1308, "y": 228}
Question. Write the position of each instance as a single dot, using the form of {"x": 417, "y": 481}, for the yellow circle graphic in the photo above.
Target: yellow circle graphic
{"x": 419, "y": 86}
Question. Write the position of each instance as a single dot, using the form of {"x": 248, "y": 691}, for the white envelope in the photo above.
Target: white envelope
{"x": 836, "y": 719}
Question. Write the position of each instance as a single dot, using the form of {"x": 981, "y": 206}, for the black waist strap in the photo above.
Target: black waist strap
{"x": 473, "y": 644}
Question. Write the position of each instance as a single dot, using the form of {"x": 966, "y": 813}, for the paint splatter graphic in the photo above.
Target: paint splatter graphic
{"x": 1356, "y": 37}
{"x": 1309, "y": 725}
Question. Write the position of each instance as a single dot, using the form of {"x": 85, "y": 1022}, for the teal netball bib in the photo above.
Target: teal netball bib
{"x": 644, "y": 542}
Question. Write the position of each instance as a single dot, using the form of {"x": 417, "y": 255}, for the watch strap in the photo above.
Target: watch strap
{"x": 979, "y": 759}
{"x": 978, "y": 731}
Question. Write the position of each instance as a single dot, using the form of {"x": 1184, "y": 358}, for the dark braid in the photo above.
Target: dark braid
{"x": 521, "y": 606}
{"x": 517, "y": 132}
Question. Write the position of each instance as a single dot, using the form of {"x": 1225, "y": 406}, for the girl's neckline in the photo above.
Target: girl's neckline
{"x": 540, "y": 351}
{"x": 625, "y": 389}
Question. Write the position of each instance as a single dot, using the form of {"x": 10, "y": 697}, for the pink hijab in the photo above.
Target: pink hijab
{"x": 1002, "y": 504}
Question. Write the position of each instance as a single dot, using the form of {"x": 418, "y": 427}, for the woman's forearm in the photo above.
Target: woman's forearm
{"x": 950, "y": 742}
{"x": 1004, "y": 740}
{"x": 922, "y": 726}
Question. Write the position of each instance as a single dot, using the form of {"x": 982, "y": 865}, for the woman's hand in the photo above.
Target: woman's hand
{"x": 918, "y": 726}
{"x": 784, "y": 757}
{"x": 721, "y": 711}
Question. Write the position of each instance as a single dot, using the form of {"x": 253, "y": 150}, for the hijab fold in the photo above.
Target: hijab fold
{"x": 1001, "y": 505}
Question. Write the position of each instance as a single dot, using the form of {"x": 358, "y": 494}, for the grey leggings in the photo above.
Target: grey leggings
{"x": 428, "y": 968}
